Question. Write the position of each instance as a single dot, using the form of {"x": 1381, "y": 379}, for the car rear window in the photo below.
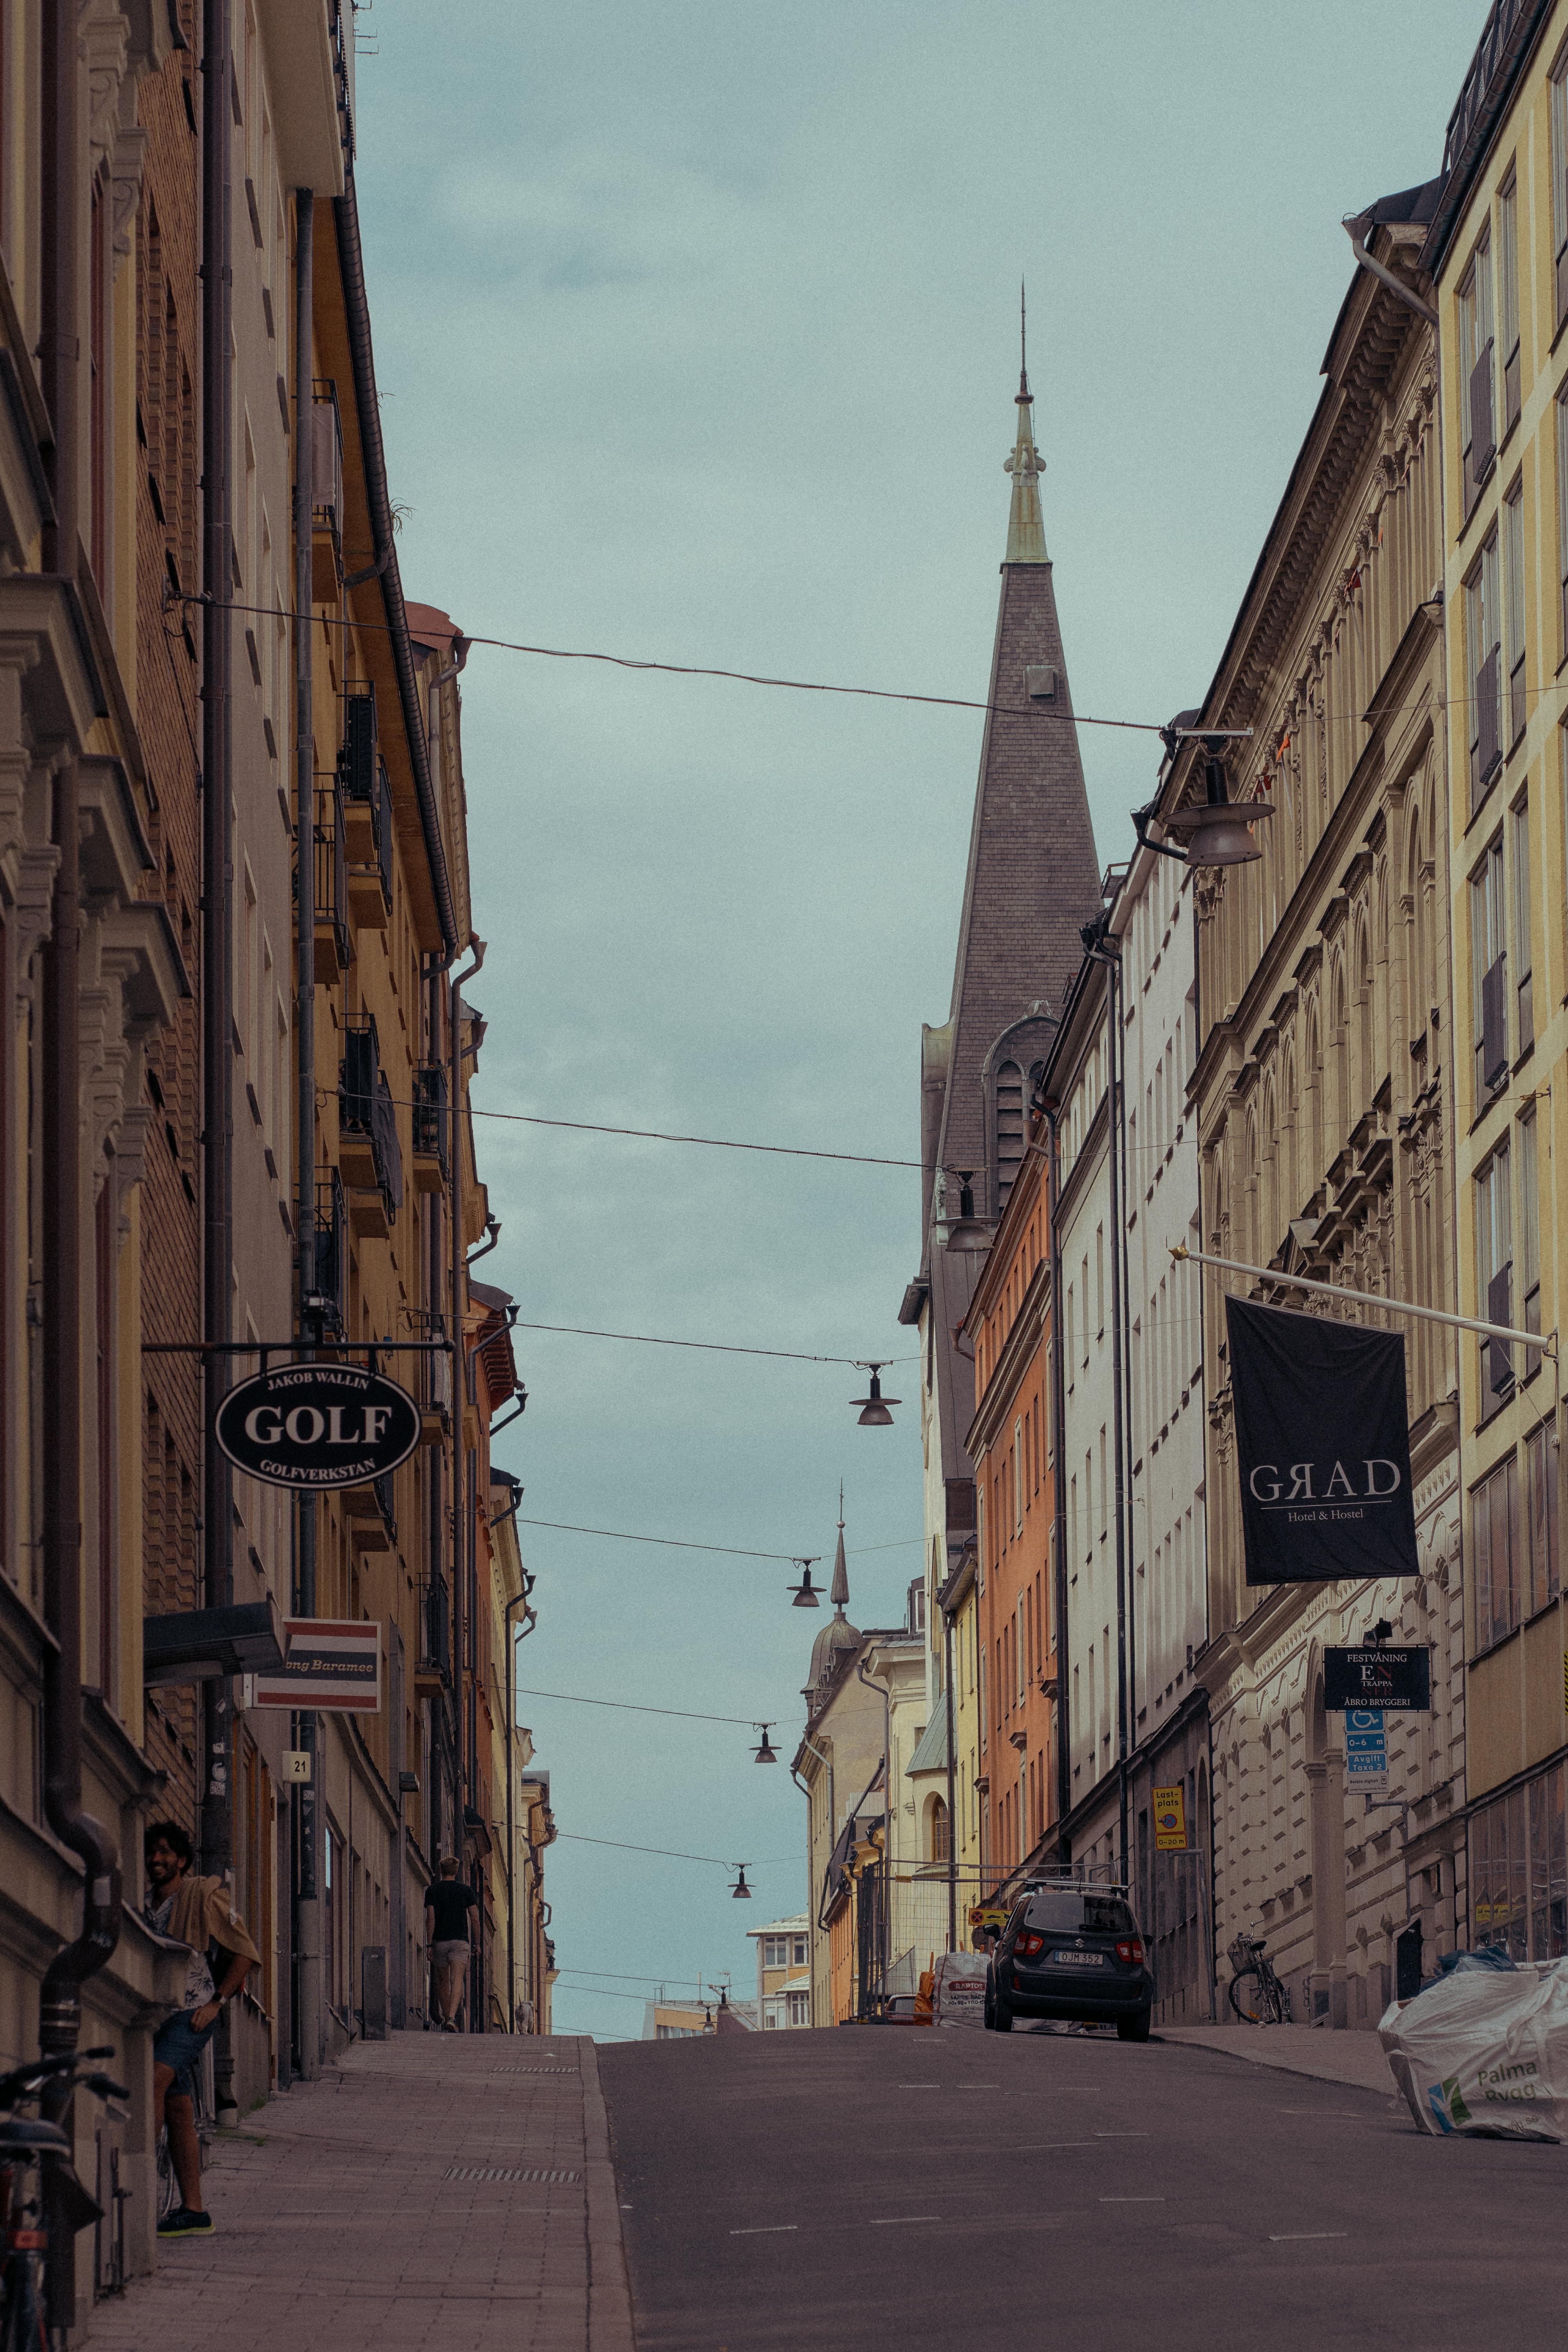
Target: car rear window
{"x": 1062, "y": 1911}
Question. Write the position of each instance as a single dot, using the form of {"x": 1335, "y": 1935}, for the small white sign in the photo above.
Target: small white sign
{"x": 297, "y": 1764}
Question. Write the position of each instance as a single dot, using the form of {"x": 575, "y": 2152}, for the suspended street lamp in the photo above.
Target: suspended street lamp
{"x": 805, "y": 1591}
{"x": 764, "y": 1754}
{"x": 874, "y": 1413}
{"x": 1214, "y": 830}
{"x": 968, "y": 1232}
{"x": 740, "y": 1892}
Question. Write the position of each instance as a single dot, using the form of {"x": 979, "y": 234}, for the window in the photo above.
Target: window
{"x": 1522, "y": 959}
{"x": 1546, "y": 1578}
{"x": 1496, "y": 1542}
{"x": 1560, "y": 186}
{"x": 775, "y": 1951}
{"x": 1518, "y": 1871}
{"x": 1494, "y": 1265}
{"x": 1562, "y": 519}
{"x": 1485, "y": 655}
{"x": 941, "y": 1843}
{"x": 799, "y": 2005}
{"x": 1529, "y": 1229}
{"x": 801, "y": 1951}
{"x": 1513, "y": 590}
{"x": 1476, "y": 344}
{"x": 1507, "y": 300}
{"x": 1018, "y": 1478}
{"x": 1487, "y": 966}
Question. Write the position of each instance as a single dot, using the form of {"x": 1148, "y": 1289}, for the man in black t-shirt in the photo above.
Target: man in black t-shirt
{"x": 451, "y": 1931}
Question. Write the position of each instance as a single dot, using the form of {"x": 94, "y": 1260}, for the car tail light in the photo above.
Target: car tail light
{"x": 1027, "y": 1944}
{"x": 1131, "y": 1951}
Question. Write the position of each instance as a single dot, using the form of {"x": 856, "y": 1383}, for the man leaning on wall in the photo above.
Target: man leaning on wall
{"x": 199, "y": 1913}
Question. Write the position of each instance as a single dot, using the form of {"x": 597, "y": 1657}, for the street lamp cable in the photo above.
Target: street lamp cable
{"x": 676, "y": 1543}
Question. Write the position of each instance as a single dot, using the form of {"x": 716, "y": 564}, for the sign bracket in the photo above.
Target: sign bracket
{"x": 1543, "y": 1342}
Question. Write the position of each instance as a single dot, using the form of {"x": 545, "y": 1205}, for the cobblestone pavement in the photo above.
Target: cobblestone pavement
{"x": 432, "y": 2189}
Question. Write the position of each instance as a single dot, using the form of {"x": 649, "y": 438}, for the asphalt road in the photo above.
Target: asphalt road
{"x": 870, "y": 2186}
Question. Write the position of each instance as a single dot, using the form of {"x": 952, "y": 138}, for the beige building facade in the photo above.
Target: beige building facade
{"x": 1324, "y": 1093}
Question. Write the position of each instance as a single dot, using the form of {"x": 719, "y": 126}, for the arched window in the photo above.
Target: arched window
{"x": 1009, "y": 1128}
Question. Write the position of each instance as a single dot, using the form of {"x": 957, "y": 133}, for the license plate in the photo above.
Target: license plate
{"x": 1079, "y": 1959}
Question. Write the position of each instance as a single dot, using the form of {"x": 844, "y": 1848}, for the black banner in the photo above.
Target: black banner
{"x": 1323, "y": 1444}
{"x": 1398, "y": 1681}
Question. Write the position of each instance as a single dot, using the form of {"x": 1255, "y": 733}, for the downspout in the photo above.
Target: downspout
{"x": 307, "y": 1914}
{"x": 814, "y": 1913}
{"x": 1114, "y": 972}
{"x": 217, "y": 911}
{"x": 351, "y": 261}
{"x": 952, "y": 1784}
{"x": 462, "y": 1373}
{"x": 1059, "y": 1497}
{"x": 59, "y": 2004}
{"x": 1355, "y": 226}
{"x": 519, "y": 1600}
{"x": 861, "y": 1676}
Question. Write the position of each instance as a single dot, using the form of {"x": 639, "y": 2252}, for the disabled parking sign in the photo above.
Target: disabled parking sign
{"x": 1367, "y": 1751}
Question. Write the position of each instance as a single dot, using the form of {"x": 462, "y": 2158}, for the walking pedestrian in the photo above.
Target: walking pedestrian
{"x": 199, "y": 1913}
{"x": 451, "y": 1931}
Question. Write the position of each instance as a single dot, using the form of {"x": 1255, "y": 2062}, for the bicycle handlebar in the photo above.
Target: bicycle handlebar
{"x": 24, "y": 2082}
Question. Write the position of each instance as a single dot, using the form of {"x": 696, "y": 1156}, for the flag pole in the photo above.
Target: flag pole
{"x": 1545, "y": 1342}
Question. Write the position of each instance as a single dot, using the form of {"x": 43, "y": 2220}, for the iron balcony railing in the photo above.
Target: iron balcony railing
{"x": 365, "y": 1106}
{"x": 430, "y": 1112}
{"x": 331, "y": 881}
{"x": 328, "y": 1299}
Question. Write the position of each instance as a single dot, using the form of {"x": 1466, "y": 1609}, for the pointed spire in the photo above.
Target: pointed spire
{"x": 839, "y": 1595}
{"x": 1026, "y": 529}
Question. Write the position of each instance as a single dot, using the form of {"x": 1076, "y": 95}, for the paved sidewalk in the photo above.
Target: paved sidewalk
{"x": 1354, "y": 2058}
{"x": 432, "y": 2191}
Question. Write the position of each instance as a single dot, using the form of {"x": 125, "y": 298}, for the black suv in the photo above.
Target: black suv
{"x": 1071, "y": 1952}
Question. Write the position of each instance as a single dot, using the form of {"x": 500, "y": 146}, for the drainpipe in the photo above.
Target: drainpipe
{"x": 460, "y": 1374}
{"x": 307, "y": 1908}
{"x": 861, "y": 1676}
{"x": 1355, "y": 227}
{"x": 952, "y": 1784}
{"x": 814, "y": 1908}
{"x": 60, "y": 2020}
{"x": 218, "y": 939}
{"x": 1058, "y": 1447}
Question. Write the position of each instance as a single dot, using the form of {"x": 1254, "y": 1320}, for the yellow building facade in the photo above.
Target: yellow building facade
{"x": 1498, "y": 249}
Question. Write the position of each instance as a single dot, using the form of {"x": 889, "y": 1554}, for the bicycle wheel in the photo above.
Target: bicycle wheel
{"x": 1282, "y": 2003}
{"x": 21, "y": 2307}
{"x": 1248, "y": 1997}
{"x": 168, "y": 2187}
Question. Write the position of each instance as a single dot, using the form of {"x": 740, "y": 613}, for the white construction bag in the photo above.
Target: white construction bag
{"x": 958, "y": 1989}
{"x": 1485, "y": 2052}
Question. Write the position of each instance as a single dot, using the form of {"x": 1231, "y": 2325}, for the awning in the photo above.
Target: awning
{"x": 194, "y": 1646}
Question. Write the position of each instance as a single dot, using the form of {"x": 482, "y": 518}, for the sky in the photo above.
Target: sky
{"x": 697, "y": 336}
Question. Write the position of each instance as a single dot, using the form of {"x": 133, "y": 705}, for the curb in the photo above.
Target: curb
{"x": 1284, "y": 2067}
{"x": 609, "y": 2294}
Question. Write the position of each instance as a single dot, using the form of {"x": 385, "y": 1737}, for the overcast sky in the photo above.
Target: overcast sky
{"x": 697, "y": 332}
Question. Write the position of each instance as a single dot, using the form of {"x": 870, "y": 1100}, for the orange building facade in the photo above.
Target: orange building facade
{"x": 1011, "y": 1445}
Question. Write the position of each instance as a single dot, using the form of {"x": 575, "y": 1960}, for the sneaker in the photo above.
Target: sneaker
{"x": 184, "y": 2223}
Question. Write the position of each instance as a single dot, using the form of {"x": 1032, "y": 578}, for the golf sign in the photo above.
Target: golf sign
{"x": 313, "y": 1427}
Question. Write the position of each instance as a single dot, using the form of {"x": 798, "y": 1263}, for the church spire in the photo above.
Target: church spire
{"x": 1025, "y": 530}
{"x": 839, "y": 1595}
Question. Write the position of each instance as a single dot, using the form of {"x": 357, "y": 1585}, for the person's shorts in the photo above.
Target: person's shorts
{"x": 177, "y": 2044}
{"x": 448, "y": 1954}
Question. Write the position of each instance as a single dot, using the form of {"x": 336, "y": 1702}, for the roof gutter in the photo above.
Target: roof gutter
{"x": 351, "y": 261}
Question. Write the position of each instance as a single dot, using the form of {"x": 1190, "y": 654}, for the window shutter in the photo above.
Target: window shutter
{"x": 1488, "y": 750}
{"x": 1494, "y": 1026}
{"x": 1483, "y": 435}
{"x": 1498, "y": 1310}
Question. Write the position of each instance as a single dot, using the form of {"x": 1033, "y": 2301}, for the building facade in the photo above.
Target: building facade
{"x": 1324, "y": 1100}
{"x": 1495, "y": 248}
{"x": 783, "y": 1973}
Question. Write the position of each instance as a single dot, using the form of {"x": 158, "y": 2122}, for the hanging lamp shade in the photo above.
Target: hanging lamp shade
{"x": 1215, "y": 828}
{"x": 968, "y": 1232}
{"x": 874, "y": 1413}
{"x": 764, "y": 1754}
{"x": 806, "y": 1595}
{"x": 740, "y": 1892}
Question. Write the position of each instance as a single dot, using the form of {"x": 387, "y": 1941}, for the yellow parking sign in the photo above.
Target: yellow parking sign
{"x": 1170, "y": 1819}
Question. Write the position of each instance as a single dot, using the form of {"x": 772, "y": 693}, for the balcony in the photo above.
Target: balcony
{"x": 328, "y": 1299}
{"x": 373, "y": 1514}
{"x": 327, "y": 495}
{"x": 369, "y": 1153}
{"x": 431, "y": 1164}
{"x": 366, "y": 794}
{"x": 433, "y": 1669}
{"x": 433, "y": 1378}
{"x": 334, "y": 947}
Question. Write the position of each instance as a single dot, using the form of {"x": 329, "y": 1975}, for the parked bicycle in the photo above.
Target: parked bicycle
{"x": 39, "y": 2190}
{"x": 1257, "y": 1994}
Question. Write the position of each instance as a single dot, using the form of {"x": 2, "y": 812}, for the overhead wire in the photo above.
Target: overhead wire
{"x": 631, "y": 1707}
{"x": 730, "y": 1551}
{"x": 667, "y": 1855}
{"x": 712, "y": 1346}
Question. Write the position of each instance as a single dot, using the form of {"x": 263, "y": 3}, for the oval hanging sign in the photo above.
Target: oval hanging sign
{"x": 314, "y": 1426}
